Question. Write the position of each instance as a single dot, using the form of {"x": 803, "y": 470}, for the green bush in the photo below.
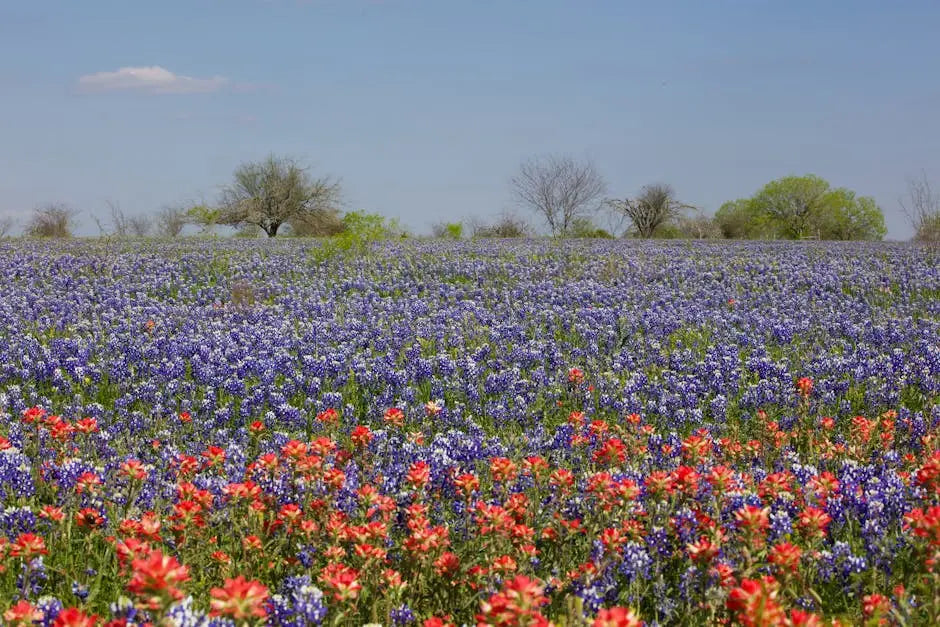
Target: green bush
{"x": 360, "y": 231}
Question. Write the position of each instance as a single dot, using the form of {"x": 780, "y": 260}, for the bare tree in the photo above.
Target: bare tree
{"x": 559, "y": 189}
{"x": 139, "y": 226}
{"x": 102, "y": 232}
{"x": 921, "y": 205}
{"x": 274, "y": 192}
{"x": 699, "y": 226}
{"x": 170, "y": 221}
{"x": 655, "y": 206}
{"x": 615, "y": 221}
{"x": 52, "y": 220}
{"x": 119, "y": 222}
{"x": 6, "y": 226}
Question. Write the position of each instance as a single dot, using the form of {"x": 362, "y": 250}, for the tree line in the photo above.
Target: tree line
{"x": 567, "y": 196}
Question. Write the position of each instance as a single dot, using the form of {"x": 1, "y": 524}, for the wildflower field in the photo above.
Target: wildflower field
{"x": 212, "y": 432}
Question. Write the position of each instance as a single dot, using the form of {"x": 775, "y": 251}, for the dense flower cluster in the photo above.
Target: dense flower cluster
{"x": 528, "y": 433}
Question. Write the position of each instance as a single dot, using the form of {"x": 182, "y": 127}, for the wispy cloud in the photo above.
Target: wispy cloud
{"x": 153, "y": 79}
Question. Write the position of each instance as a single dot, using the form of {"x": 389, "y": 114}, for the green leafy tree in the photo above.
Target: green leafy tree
{"x": 793, "y": 204}
{"x": 739, "y": 219}
{"x": 847, "y": 217}
{"x": 796, "y": 207}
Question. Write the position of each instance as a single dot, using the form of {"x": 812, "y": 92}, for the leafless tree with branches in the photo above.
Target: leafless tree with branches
{"x": 698, "y": 226}
{"x": 170, "y": 221}
{"x": 615, "y": 221}
{"x": 559, "y": 189}
{"x": 119, "y": 221}
{"x": 277, "y": 191}
{"x": 921, "y": 205}
{"x": 655, "y": 206}
{"x": 51, "y": 220}
{"x": 139, "y": 226}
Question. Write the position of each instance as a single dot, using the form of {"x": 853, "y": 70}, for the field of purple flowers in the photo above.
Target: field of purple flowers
{"x": 499, "y": 433}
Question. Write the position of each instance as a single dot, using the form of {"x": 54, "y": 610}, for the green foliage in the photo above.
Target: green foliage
{"x": 360, "y": 231}
{"x": 370, "y": 226}
{"x": 668, "y": 230}
{"x": 204, "y": 216}
{"x": 584, "y": 228}
{"x": 796, "y": 207}
{"x": 738, "y": 219}
{"x": 448, "y": 230}
{"x": 850, "y": 218}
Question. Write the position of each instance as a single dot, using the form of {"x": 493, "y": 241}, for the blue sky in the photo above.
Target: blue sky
{"x": 425, "y": 109}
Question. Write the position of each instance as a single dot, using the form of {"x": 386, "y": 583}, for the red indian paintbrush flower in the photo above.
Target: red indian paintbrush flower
{"x": 419, "y": 475}
{"x": 394, "y": 416}
{"x": 516, "y": 604}
{"x": 575, "y": 375}
{"x": 785, "y": 556}
{"x": 503, "y": 469}
{"x": 239, "y": 599}
{"x": 155, "y": 578}
{"x": 24, "y": 613}
{"x": 805, "y": 386}
{"x": 813, "y": 521}
{"x": 617, "y": 617}
{"x": 28, "y": 546}
{"x": 74, "y": 617}
{"x": 361, "y": 436}
{"x": 755, "y": 604}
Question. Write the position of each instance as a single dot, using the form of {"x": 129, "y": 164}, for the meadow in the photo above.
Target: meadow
{"x": 213, "y": 432}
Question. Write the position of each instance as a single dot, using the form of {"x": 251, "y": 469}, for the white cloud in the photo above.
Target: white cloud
{"x": 154, "y": 79}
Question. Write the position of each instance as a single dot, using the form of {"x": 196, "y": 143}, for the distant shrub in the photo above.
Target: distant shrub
{"x": 508, "y": 226}
{"x": 669, "y": 230}
{"x": 929, "y": 229}
{"x": 170, "y": 221}
{"x": 585, "y": 228}
{"x": 447, "y": 230}
{"x": 54, "y": 220}
{"x": 323, "y": 223}
{"x": 360, "y": 230}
